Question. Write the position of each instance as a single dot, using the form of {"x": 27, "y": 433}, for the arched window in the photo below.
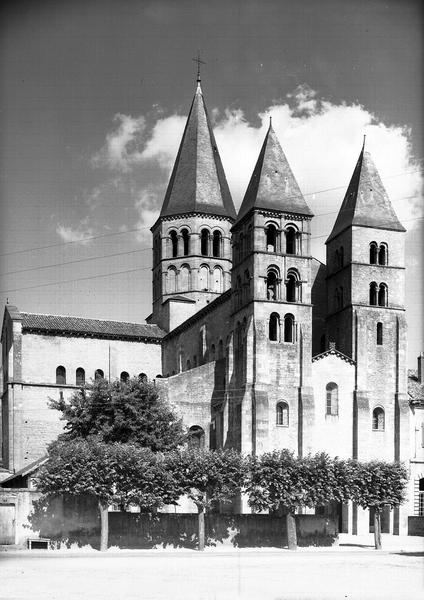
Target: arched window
{"x": 274, "y": 327}
{"x": 124, "y": 377}
{"x": 184, "y": 279}
{"x": 373, "y": 293}
{"x": 271, "y": 238}
{"x": 217, "y": 280}
{"x": 216, "y": 243}
{"x": 171, "y": 280}
{"x": 60, "y": 375}
{"x": 382, "y": 254}
{"x": 379, "y": 334}
{"x": 332, "y": 392}
{"x": 291, "y": 238}
{"x": 186, "y": 241}
{"x": 272, "y": 284}
{"x": 382, "y": 295}
{"x": 174, "y": 243}
{"x": 196, "y": 437}
{"x": 282, "y": 414}
{"x": 204, "y": 278}
{"x": 292, "y": 286}
{"x": 378, "y": 419}
{"x": 142, "y": 377}
{"x": 80, "y": 376}
{"x": 373, "y": 253}
{"x": 99, "y": 374}
{"x": 204, "y": 242}
{"x": 289, "y": 328}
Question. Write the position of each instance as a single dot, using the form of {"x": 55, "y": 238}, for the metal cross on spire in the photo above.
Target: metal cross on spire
{"x": 199, "y": 62}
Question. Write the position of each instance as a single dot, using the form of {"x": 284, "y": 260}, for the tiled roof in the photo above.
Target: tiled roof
{"x": 366, "y": 201}
{"x": 89, "y": 327}
{"x": 273, "y": 185}
{"x": 198, "y": 182}
{"x": 415, "y": 388}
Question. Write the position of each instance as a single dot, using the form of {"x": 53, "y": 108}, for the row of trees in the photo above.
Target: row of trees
{"x": 124, "y": 445}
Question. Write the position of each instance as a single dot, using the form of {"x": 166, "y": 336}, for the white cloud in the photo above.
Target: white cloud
{"x": 147, "y": 205}
{"x": 164, "y": 141}
{"x": 78, "y": 234}
{"x": 121, "y": 149}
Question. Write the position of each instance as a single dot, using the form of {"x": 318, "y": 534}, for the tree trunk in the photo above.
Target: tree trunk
{"x": 104, "y": 526}
{"x": 377, "y": 530}
{"x": 291, "y": 531}
{"x": 201, "y": 517}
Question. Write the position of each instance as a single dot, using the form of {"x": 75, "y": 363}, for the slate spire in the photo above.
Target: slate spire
{"x": 366, "y": 201}
{"x": 273, "y": 185}
{"x": 198, "y": 183}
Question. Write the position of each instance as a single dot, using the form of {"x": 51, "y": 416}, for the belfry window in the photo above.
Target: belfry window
{"x": 379, "y": 334}
{"x": 373, "y": 293}
{"x": 274, "y": 327}
{"x": 289, "y": 328}
{"x": 382, "y": 295}
{"x": 204, "y": 242}
{"x": 60, "y": 375}
{"x": 378, "y": 419}
{"x": 186, "y": 242}
{"x": 174, "y": 243}
{"x": 292, "y": 286}
{"x": 271, "y": 238}
{"x": 332, "y": 393}
{"x": 216, "y": 243}
{"x": 282, "y": 414}
{"x": 80, "y": 376}
{"x": 291, "y": 239}
{"x": 272, "y": 284}
{"x": 382, "y": 254}
{"x": 373, "y": 253}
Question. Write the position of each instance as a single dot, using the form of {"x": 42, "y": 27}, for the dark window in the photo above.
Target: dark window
{"x": 142, "y": 377}
{"x": 379, "y": 334}
{"x": 271, "y": 285}
{"x": 271, "y": 238}
{"x": 373, "y": 293}
{"x": 99, "y": 374}
{"x": 216, "y": 243}
{"x": 332, "y": 391}
{"x": 373, "y": 253}
{"x": 274, "y": 327}
{"x": 174, "y": 243}
{"x": 60, "y": 375}
{"x": 124, "y": 376}
{"x": 204, "y": 242}
{"x": 186, "y": 242}
{"x": 196, "y": 437}
{"x": 291, "y": 287}
{"x": 382, "y": 295}
{"x": 80, "y": 376}
{"x": 290, "y": 240}
{"x": 382, "y": 254}
{"x": 282, "y": 414}
{"x": 289, "y": 328}
{"x": 378, "y": 419}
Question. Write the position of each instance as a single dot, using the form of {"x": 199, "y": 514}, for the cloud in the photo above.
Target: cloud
{"x": 78, "y": 234}
{"x": 147, "y": 205}
{"x": 121, "y": 149}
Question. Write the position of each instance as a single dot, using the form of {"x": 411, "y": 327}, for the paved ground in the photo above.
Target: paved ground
{"x": 353, "y": 572}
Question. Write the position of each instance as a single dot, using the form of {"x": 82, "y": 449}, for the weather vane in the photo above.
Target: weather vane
{"x": 199, "y": 62}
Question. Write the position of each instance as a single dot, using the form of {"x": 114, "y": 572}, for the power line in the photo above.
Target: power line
{"x": 104, "y": 235}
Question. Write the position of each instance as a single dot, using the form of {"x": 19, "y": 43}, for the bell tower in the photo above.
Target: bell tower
{"x": 191, "y": 238}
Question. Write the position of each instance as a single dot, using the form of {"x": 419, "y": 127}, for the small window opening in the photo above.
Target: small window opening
{"x": 61, "y": 375}
{"x": 216, "y": 243}
{"x": 99, "y": 374}
{"x": 124, "y": 377}
{"x": 373, "y": 253}
{"x": 174, "y": 243}
{"x": 271, "y": 238}
{"x": 289, "y": 328}
{"x": 378, "y": 419}
{"x": 290, "y": 240}
{"x": 80, "y": 376}
{"x": 274, "y": 327}
{"x": 282, "y": 414}
{"x": 186, "y": 242}
{"x": 379, "y": 334}
{"x": 382, "y": 295}
{"x": 332, "y": 392}
{"x": 271, "y": 285}
{"x": 373, "y": 293}
{"x": 382, "y": 255}
{"x": 204, "y": 242}
{"x": 291, "y": 287}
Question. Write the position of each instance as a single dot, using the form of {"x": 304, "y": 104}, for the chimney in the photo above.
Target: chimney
{"x": 421, "y": 368}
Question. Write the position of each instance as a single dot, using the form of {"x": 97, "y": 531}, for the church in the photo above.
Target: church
{"x": 257, "y": 344}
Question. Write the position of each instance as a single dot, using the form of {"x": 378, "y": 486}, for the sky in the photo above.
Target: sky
{"x": 94, "y": 96}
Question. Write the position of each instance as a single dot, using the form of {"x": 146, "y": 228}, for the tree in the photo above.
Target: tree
{"x": 130, "y": 411}
{"x": 375, "y": 485}
{"x": 207, "y": 476}
{"x": 279, "y": 479}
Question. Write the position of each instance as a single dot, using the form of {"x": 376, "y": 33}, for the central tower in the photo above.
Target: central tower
{"x": 191, "y": 238}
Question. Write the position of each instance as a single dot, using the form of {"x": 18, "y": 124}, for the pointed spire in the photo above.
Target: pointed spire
{"x": 198, "y": 182}
{"x": 273, "y": 185}
{"x": 366, "y": 201}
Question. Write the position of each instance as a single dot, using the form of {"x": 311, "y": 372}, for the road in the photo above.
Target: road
{"x": 234, "y": 575}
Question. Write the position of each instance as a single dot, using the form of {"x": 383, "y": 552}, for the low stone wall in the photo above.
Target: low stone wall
{"x": 416, "y": 526}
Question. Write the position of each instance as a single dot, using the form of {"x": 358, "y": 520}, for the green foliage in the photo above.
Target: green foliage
{"x": 123, "y": 412}
{"x": 376, "y": 484}
{"x": 208, "y": 476}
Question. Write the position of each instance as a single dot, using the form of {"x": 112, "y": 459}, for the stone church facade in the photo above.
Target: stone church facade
{"x": 258, "y": 344}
